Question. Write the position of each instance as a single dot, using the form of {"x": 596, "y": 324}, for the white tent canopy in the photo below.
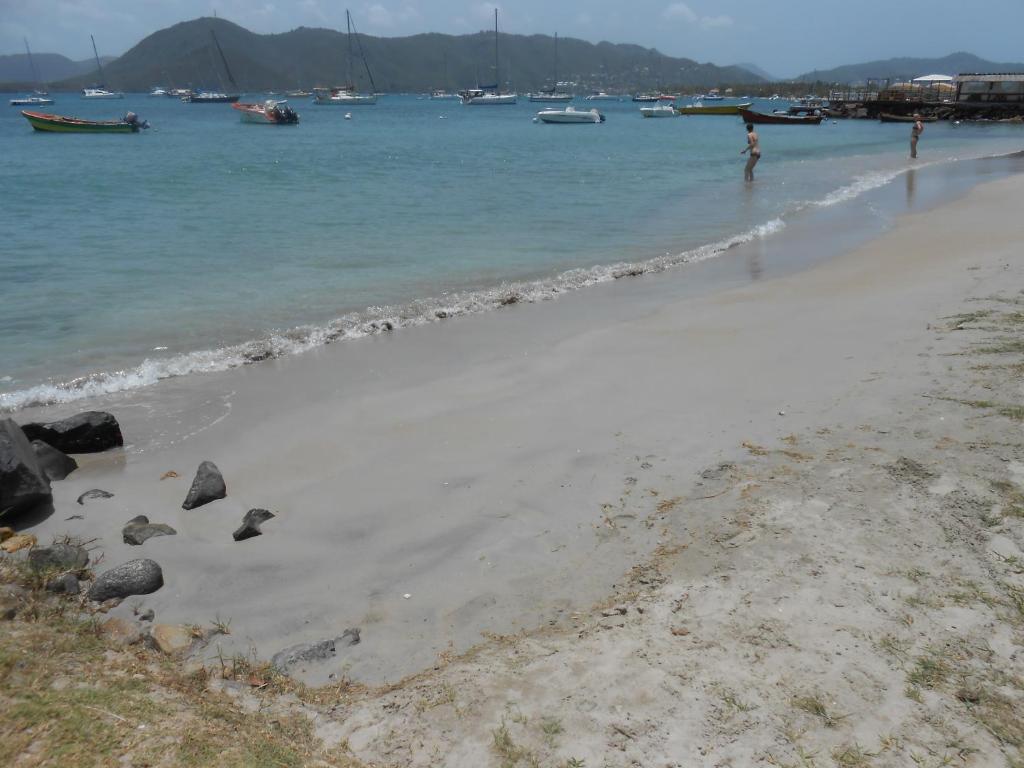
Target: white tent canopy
{"x": 933, "y": 79}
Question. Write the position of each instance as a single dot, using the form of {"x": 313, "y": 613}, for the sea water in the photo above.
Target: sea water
{"x": 205, "y": 243}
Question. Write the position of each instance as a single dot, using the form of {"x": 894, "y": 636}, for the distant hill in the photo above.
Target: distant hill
{"x": 761, "y": 73}
{"x": 908, "y": 68}
{"x": 51, "y": 67}
{"x": 183, "y": 55}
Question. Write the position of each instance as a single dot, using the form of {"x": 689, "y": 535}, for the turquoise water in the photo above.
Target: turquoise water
{"x": 206, "y": 242}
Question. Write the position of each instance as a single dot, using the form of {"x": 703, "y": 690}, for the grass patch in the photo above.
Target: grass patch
{"x": 851, "y": 756}
{"x": 957, "y": 322}
{"x": 814, "y": 704}
{"x": 894, "y": 646}
{"x": 929, "y": 671}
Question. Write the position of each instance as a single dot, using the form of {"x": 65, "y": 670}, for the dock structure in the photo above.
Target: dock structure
{"x": 968, "y": 96}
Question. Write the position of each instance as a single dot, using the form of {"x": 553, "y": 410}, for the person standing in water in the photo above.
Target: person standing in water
{"x": 754, "y": 148}
{"x": 915, "y": 133}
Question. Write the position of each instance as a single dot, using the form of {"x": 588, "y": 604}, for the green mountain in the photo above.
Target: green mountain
{"x": 51, "y": 67}
{"x": 184, "y": 55}
{"x": 908, "y": 68}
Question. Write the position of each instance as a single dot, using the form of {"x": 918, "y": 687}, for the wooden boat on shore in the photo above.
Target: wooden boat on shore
{"x": 715, "y": 109}
{"x": 761, "y": 118}
{"x": 886, "y": 117}
{"x": 59, "y": 124}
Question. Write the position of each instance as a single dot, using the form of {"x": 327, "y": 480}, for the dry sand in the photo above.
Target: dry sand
{"x": 815, "y": 553}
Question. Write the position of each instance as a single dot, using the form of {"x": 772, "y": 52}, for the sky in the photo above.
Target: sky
{"x": 785, "y": 37}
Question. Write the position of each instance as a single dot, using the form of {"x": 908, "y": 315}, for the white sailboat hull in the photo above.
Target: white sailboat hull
{"x": 553, "y": 98}
{"x": 101, "y": 93}
{"x": 345, "y": 100}
{"x": 490, "y": 99}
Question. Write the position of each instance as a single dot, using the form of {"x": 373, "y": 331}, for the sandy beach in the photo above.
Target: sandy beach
{"x": 778, "y": 522}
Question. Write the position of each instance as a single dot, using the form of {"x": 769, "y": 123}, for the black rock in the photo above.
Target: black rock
{"x": 55, "y": 464}
{"x": 138, "y": 529}
{"x": 66, "y": 584}
{"x": 89, "y": 432}
{"x": 23, "y": 484}
{"x": 136, "y": 577}
{"x": 315, "y": 652}
{"x": 66, "y": 557}
{"x": 251, "y": 524}
{"x": 94, "y": 493}
{"x": 207, "y": 486}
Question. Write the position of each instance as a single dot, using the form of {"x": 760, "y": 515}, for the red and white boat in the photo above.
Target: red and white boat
{"x": 269, "y": 112}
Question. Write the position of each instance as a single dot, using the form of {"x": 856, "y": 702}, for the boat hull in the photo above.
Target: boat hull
{"x": 717, "y": 109}
{"x": 657, "y": 112}
{"x": 570, "y": 116}
{"x": 490, "y": 100}
{"x": 345, "y": 101}
{"x": 31, "y": 102}
{"x": 60, "y": 124}
{"x": 760, "y": 118}
{"x": 885, "y": 117}
{"x": 101, "y": 95}
{"x": 263, "y": 114}
{"x": 561, "y": 98}
{"x": 218, "y": 99}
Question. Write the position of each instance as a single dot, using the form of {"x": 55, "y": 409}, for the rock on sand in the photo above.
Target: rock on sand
{"x": 207, "y": 486}
{"x": 136, "y": 577}
{"x": 54, "y": 463}
{"x": 23, "y": 483}
{"x": 138, "y": 529}
{"x": 251, "y": 524}
{"x": 88, "y": 432}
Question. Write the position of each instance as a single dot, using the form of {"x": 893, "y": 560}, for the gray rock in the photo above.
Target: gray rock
{"x": 207, "y": 486}
{"x": 65, "y": 584}
{"x": 55, "y": 464}
{"x": 147, "y": 615}
{"x": 323, "y": 650}
{"x": 23, "y": 484}
{"x": 94, "y": 493}
{"x": 88, "y": 432}
{"x": 138, "y": 529}
{"x": 136, "y": 577}
{"x": 251, "y": 524}
{"x": 64, "y": 557}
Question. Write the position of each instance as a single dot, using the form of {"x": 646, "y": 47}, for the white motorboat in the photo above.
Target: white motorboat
{"x": 662, "y": 110}
{"x": 31, "y": 101}
{"x": 101, "y": 93}
{"x": 602, "y": 96}
{"x": 570, "y": 115}
{"x": 347, "y": 95}
{"x": 158, "y": 91}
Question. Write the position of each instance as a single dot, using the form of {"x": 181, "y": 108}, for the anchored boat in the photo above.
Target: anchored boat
{"x": 346, "y": 95}
{"x": 269, "y": 112}
{"x": 215, "y": 97}
{"x": 99, "y": 91}
{"x": 662, "y": 110}
{"x": 716, "y": 109}
{"x": 570, "y": 115}
{"x": 552, "y": 94}
{"x": 41, "y": 121}
{"x": 39, "y": 97}
{"x": 776, "y": 118}
{"x": 489, "y": 94}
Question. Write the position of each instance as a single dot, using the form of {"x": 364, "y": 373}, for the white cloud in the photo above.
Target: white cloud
{"x": 679, "y": 11}
{"x": 683, "y": 12}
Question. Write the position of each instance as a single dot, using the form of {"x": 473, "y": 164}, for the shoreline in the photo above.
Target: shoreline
{"x": 461, "y": 303}
{"x": 493, "y": 483}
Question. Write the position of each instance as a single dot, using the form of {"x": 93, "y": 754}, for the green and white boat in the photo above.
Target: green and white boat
{"x": 41, "y": 121}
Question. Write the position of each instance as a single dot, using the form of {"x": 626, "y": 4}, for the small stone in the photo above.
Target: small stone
{"x": 169, "y": 474}
{"x": 136, "y": 577}
{"x": 94, "y": 493}
{"x": 251, "y": 524}
{"x": 618, "y": 610}
{"x": 65, "y": 584}
{"x": 54, "y": 463}
{"x": 208, "y": 485}
{"x": 172, "y": 639}
{"x": 65, "y": 557}
{"x": 680, "y": 631}
{"x": 18, "y": 541}
{"x": 147, "y": 615}
{"x": 121, "y": 633}
{"x": 138, "y": 529}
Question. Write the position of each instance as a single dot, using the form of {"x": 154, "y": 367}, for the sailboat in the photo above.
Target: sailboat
{"x": 40, "y": 96}
{"x": 441, "y": 94}
{"x": 215, "y": 97}
{"x": 489, "y": 94}
{"x": 346, "y": 95}
{"x": 552, "y": 94}
{"x": 99, "y": 91}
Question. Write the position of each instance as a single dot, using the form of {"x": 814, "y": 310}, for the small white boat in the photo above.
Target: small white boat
{"x": 480, "y": 97}
{"x": 31, "y": 101}
{"x": 570, "y": 115}
{"x": 158, "y": 91}
{"x": 662, "y": 110}
{"x": 443, "y": 95}
{"x": 553, "y": 97}
{"x": 344, "y": 96}
{"x": 101, "y": 93}
{"x": 602, "y": 96}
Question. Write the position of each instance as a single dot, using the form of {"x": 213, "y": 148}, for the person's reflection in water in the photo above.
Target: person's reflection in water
{"x": 911, "y": 184}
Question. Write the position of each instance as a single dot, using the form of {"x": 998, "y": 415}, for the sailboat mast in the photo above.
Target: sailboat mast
{"x": 497, "y": 77}
{"x": 31, "y": 64}
{"x": 348, "y": 27}
{"x": 103, "y": 80}
{"x": 555, "y": 84}
{"x": 224, "y": 60}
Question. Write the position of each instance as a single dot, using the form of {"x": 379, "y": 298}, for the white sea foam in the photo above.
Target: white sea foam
{"x": 383, "y": 319}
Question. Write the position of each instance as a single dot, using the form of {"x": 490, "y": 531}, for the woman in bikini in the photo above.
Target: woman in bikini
{"x": 754, "y": 148}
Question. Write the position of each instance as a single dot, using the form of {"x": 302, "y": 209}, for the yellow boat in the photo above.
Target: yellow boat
{"x": 715, "y": 109}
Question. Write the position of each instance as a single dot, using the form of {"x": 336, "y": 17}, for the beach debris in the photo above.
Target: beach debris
{"x": 18, "y": 541}
{"x": 173, "y": 639}
{"x": 322, "y": 650}
{"x": 94, "y": 493}
{"x": 618, "y": 610}
{"x": 136, "y": 577}
{"x": 23, "y": 483}
{"x": 56, "y": 464}
{"x": 88, "y": 432}
{"x": 65, "y": 584}
{"x": 207, "y": 485}
{"x": 65, "y": 557}
{"x": 251, "y": 524}
{"x": 680, "y": 631}
{"x": 120, "y": 632}
{"x": 138, "y": 529}
{"x": 782, "y": 413}
{"x": 169, "y": 474}
{"x": 406, "y": 596}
